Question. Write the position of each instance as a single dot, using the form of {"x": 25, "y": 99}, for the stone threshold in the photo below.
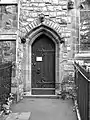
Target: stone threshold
{"x": 28, "y": 95}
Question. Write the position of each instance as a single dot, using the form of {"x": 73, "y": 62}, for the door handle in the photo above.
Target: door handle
{"x": 33, "y": 64}
{"x": 38, "y": 71}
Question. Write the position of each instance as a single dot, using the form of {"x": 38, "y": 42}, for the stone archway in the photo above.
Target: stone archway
{"x": 30, "y": 37}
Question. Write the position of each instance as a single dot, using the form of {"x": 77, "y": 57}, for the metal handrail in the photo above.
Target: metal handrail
{"x": 81, "y": 73}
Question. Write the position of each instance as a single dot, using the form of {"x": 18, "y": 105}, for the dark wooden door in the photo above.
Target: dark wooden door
{"x": 43, "y": 66}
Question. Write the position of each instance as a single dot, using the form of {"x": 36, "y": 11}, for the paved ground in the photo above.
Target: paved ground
{"x": 46, "y": 109}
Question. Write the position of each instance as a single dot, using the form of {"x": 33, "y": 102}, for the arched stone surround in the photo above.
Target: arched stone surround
{"x": 27, "y": 29}
{"x": 30, "y": 37}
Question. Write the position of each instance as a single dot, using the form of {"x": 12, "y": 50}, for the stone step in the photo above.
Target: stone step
{"x": 41, "y": 96}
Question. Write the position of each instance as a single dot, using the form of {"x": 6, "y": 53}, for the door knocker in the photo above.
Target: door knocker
{"x": 38, "y": 71}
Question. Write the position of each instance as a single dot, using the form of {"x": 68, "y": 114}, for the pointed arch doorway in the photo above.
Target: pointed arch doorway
{"x": 43, "y": 66}
{"x": 41, "y": 61}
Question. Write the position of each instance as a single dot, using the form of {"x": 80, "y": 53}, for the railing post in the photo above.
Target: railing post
{"x": 82, "y": 81}
{"x": 88, "y": 106}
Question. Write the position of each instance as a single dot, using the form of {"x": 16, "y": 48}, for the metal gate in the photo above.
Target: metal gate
{"x": 5, "y": 81}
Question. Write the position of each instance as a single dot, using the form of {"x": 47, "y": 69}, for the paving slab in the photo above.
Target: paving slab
{"x": 46, "y": 109}
{"x": 19, "y": 116}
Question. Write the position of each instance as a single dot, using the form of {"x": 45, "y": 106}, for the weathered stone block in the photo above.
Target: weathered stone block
{"x": 50, "y": 8}
{"x": 69, "y": 67}
{"x": 46, "y": 13}
{"x": 10, "y": 9}
{"x": 25, "y": 5}
{"x": 34, "y": 14}
{"x": 53, "y": 14}
{"x": 29, "y": 8}
{"x": 61, "y": 13}
{"x": 63, "y": 2}
{"x": 68, "y": 47}
{"x": 66, "y": 34}
{"x": 64, "y": 7}
{"x": 65, "y": 55}
{"x": 39, "y": 9}
{"x": 24, "y": 0}
{"x": 27, "y": 28}
{"x": 55, "y": 1}
{"x": 57, "y": 8}
{"x": 58, "y": 20}
{"x": 64, "y": 19}
{"x": 41, "y": 4}
{"x": 44, "y": 9}
{"x": 48, "y": 1}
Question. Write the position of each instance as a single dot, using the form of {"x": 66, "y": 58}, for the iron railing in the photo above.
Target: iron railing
{"x": 82, "y": 84}
{"x": 5, "y": 81}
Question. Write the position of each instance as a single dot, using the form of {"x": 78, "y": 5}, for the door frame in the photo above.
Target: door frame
{"x": 54, "y": 69}
{"x": 28, "y": 61}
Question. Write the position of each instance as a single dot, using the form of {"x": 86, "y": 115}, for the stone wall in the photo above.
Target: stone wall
{"x": 10, "y": 45}
{"x": 63, "y": 20}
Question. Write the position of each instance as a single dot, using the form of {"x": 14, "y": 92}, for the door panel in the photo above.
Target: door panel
{"x": 43, "y": 66}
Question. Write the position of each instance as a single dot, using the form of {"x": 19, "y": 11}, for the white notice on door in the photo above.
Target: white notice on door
{"x": 38, "y": 58}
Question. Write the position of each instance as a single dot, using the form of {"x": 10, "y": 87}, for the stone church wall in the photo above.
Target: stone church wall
{"x": 28, "y": 11}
